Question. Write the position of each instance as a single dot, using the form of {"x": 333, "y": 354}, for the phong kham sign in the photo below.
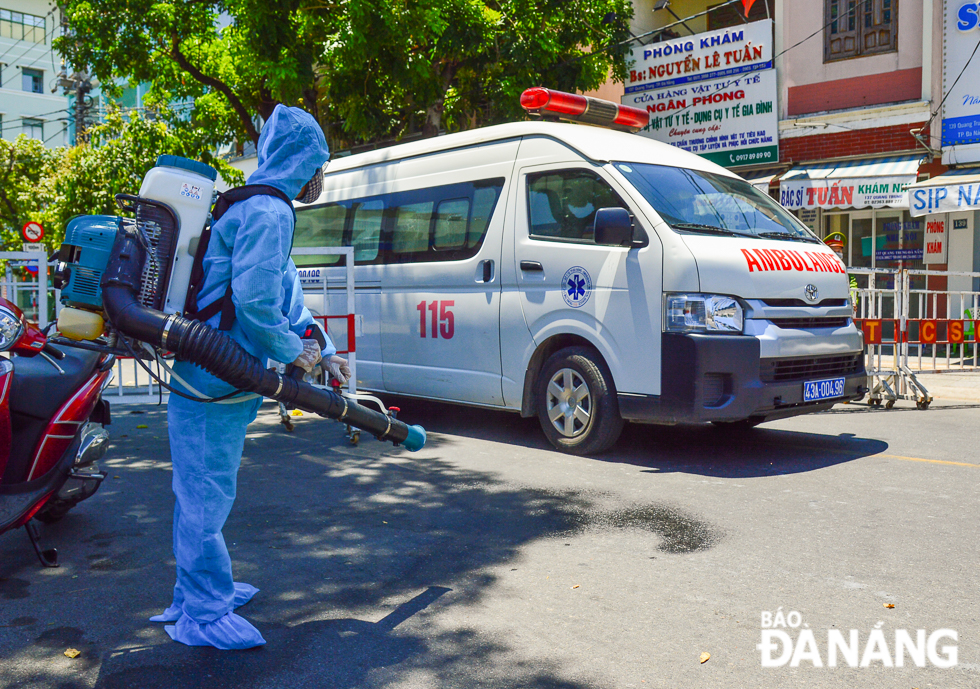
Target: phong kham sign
{"x": 713, "y": 93}
{"x": 871, "y": 192}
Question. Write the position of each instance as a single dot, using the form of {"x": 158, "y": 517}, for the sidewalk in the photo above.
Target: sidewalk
{"x": 952, "y": 386}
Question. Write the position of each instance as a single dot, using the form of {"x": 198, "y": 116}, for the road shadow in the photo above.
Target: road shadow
{"x": 337, "y": 536}
{"x": 334, "y": 536}
{"x": 336, "y": 653}
{"x": 725, "y": 453}
{"x": 701, "y": 449}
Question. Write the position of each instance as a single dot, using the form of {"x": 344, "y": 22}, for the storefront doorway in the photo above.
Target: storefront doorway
{"x": 886, "y": 238}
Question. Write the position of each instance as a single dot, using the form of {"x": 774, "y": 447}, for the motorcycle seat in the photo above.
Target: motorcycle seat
{"x": 39, "y": 389}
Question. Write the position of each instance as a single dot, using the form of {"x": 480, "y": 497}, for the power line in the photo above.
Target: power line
{"x": 648, "y": 33}
{"x": 940, "y": 106}
{"x": 37, "y": 59}
{"x": 21, "y": 40}
{"x": 64, "y": 130}
{"x": 668, "y": 26}
{"x": 41, "y": 114}
{"x": 854, "y": 10}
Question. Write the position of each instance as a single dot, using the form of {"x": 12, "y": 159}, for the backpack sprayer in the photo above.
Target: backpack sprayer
{"x": 130, "y": 278}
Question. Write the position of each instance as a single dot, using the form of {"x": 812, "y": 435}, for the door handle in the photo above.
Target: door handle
{"x": 532, "y": 266}
{"x": 488, "y": 270}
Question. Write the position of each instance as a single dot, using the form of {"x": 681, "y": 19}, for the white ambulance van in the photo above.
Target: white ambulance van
{"x": 583, "y": 275}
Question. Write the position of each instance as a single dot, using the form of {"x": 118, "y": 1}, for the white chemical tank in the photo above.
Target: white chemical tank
{"x": 187, "y": 186}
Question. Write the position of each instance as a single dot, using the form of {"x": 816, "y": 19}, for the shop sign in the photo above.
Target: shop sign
{"x": 701, "y": 57}
{"x": 713, "y": 94}
{"x": 936, "y": 240}
{"x": 872, "y": 192}
{"x": 961, "y": 107}
{"x": 899, "y": 255}
{"x": 952, "y": 197}
{"x": 810, "y": 218}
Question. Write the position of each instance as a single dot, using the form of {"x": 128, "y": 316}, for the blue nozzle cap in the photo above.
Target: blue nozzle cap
{"x": 187, "y": 164}
{"x": 415, "y": 440}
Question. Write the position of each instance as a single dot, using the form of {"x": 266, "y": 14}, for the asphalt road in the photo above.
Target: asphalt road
{"x": 489, "y": 560}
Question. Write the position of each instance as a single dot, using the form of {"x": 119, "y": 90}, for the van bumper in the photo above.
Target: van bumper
{"x": 723, "y": 378}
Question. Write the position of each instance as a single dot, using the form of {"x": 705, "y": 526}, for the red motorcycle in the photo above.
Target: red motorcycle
{"x": 52, "y": 419}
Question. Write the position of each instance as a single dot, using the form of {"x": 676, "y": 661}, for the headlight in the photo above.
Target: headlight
{"x": 702, "y": 313}
{"x": 10, "y": 329}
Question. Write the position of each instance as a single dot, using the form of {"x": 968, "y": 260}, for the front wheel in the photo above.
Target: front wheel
{"x": 576, "y": 402}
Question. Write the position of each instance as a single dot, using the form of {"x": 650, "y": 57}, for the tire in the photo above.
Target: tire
{"x": 593, "y": 424}
{"x": 53, "y": 512}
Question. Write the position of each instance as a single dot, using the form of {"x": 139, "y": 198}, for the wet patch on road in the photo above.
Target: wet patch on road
{"x": 14, "y": 588}
{"x": 60, "y": 637}
{"x": 569, "y": 513}
{"x": 679, "y": 532}
{"x": 22, "y": 621}
{"x": 120, "y": 562}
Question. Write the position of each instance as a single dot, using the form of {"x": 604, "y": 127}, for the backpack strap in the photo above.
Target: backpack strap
{"x": 223, "y": 304}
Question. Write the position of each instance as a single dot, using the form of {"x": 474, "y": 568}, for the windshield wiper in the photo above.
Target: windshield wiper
{"x": 712, "y": 229}
{"x": 789, "y": 237}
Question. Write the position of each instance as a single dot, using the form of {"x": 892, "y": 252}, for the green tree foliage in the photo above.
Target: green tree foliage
{"x": 27, "y": 167}
{"x": 51, "y": 186}
{"x": 396, "y": 67}
{"x": 367, "y": 69}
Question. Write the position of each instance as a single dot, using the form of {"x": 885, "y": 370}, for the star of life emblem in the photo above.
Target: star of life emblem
{"x": 576, "y": 287}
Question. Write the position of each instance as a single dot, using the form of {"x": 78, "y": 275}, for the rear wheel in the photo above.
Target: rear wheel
{"x": 576, "y": 402}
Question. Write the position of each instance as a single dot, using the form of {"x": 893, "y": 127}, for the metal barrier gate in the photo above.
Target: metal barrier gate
{"x": 915, "y": 322}
{"x": 35, "y": 305}
{"x": 349, "y": 318}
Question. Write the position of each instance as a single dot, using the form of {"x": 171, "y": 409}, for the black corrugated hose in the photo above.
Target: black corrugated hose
{"x": 222, "y": 356}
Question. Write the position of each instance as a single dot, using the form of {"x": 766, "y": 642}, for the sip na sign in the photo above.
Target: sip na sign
{"x": 968, "y": 16}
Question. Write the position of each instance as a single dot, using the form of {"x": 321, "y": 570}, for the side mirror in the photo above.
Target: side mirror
{"x": 613, "y": 227}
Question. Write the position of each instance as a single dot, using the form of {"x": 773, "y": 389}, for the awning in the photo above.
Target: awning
{"x": 860, "y": 183}
{"x": 955, "y": 190}
{"x": 760, "y": 179}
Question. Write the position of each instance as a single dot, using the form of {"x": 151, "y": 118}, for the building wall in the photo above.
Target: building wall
{"x": 863, "y": 105}
{"x": 850, "y": 83}
{"x": 16, "y": 104}
{"x": 869, "y": 142}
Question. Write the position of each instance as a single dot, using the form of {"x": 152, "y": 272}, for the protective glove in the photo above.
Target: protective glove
{"x": 310, "y": 355}
{"x": 339, "y": 369}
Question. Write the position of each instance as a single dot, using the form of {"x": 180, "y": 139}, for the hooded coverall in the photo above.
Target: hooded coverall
{"x": 249, "y": 247}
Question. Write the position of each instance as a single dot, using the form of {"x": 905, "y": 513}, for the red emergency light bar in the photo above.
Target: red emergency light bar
{"x": 575, "y": 108}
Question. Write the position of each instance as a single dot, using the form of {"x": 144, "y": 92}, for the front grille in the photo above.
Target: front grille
{"x": 809, "y": 367}
{"x": 803, "y": 323}
{"x": 800, "y": 302}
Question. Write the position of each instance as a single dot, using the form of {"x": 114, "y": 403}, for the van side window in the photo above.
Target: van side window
{"x": 445, "y": 223}
{"x": 452, "y": 217}
{"x": 562, "y": 204}
{"x": 317, "y": 227}
{"x": 366, "y": 230}
{"x": 411, "y": 231}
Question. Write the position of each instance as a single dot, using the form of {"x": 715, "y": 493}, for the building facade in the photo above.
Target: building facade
{"x": 31, "y": 98}
{"x": 856, "y": 86}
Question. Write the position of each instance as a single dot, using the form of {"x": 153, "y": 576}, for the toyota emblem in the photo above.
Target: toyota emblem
{"x": 811, "y": 293}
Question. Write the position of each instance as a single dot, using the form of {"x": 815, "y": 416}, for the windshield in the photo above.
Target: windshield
{"x": 704, "y": 202}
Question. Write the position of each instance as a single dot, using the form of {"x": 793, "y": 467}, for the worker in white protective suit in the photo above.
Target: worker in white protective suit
{"x": 248, "y": 251}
